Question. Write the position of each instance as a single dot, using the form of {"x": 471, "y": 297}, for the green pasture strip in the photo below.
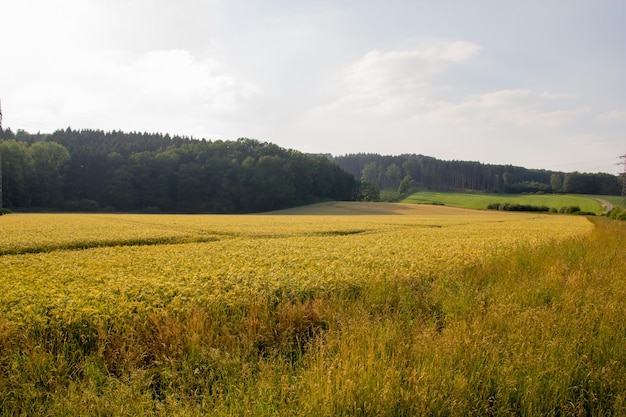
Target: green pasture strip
{"x": 481, "y": 201}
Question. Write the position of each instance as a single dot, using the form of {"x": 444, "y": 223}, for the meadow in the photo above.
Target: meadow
{"x": 480, "y": 201}
{"x": 333, "y": 309}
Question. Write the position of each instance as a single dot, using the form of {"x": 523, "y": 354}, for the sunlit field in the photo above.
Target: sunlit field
{"x": 334, "y": 309}
{"x": 586, "y": 203}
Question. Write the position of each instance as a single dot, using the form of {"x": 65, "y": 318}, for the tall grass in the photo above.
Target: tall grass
{"x": 536, "y": 332}
{"x": 533, "y": 331}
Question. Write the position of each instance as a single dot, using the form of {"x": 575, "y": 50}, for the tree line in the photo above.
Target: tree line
{"x": 419, "y": 171}
{"x": 89, "y": 170}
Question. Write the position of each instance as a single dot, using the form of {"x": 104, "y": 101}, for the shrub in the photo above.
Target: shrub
{"x": 517, "y": 207}
{"x": 617, "y": 213}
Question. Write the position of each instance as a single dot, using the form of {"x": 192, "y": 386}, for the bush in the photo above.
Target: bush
{"x": 569, "y": 209}
{"x": 517, "y": 207}
{"x": 367, "y": 191}
{"x": 617, "y": 213}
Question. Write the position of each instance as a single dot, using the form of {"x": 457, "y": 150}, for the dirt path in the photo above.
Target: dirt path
{"x": 606, "y": 206}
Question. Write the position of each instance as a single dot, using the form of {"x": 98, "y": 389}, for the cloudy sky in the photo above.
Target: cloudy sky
{"x": 535, "y": 83}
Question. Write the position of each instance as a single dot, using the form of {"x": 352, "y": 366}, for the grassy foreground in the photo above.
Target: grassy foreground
{"x": 530, "y": 330}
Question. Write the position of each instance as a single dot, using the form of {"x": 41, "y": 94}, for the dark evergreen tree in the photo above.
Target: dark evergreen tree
{"x": 91, "y": 169}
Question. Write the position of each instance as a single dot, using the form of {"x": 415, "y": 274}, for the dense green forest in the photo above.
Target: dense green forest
{"x": 409, "y": 170}
{"x": 90, "y": 170}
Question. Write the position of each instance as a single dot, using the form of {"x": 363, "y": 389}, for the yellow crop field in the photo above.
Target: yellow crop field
{"x": 333, "y": 309}
{"x": 231, "y": 258}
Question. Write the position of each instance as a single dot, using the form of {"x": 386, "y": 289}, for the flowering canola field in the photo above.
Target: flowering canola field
{"x": 61, "y": 267}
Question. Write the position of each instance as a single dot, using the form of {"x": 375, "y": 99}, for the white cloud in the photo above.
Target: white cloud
{"x": 521, "y": 107}
{"x": 179, "y": 77}
{"x": 392, "y": 82}
{"x": 380, "y": 73}
{"x": 403, "y": 86}
{"x": 169, "y": 90}
{"x": 614, "y": 115}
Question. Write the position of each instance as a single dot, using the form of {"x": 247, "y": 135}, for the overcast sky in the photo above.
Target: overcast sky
{"x": 534, "y": 83}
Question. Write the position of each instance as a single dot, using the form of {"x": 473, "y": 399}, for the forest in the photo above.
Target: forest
{"x": 410, "y": 170}
{"x": 93, "y": 170}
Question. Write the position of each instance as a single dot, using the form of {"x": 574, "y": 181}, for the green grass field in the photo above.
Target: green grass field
{"x": 481, "y": 201}
{"x": 615, "y": 200}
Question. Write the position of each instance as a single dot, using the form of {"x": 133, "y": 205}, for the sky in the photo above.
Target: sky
{"x": 533, "y": 83}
